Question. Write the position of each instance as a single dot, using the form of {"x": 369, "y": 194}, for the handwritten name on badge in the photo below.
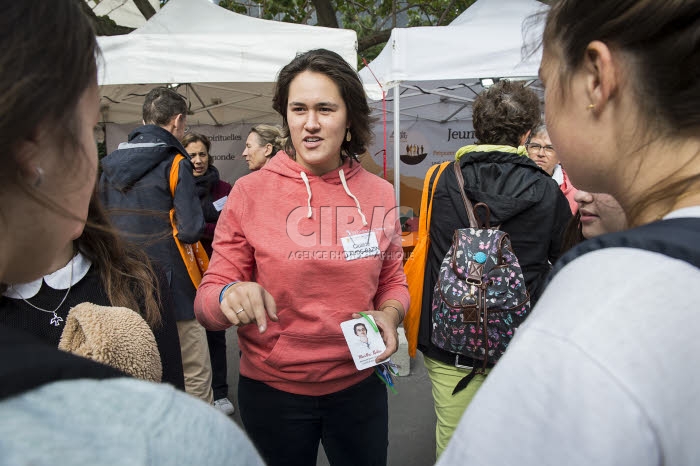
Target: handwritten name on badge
{"x": 360, "y": 245}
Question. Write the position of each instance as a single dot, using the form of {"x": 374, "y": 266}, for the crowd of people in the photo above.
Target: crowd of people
{"x": 161, "y": 240}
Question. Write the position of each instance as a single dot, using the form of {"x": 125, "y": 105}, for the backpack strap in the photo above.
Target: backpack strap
{"x": 174, "y": 173}
{"x": 467, "y": 203}
{"x": 426, "y": 202}
{"x": 675, "y": 237}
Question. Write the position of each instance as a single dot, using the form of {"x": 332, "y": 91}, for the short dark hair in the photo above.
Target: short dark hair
{"x": 359, "y": 325}
{"x": 504, "y": 113}
{"x": 161, "y": 104}
{"x": 44, "y": 43}
{"x": 196, "y": 137}
{"x": 341, "y": 73}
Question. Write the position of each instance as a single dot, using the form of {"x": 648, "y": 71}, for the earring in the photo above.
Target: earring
{"x": 590, "y": 107}
{"x": 348, "y": 135}
{"x": 39, "y": 176}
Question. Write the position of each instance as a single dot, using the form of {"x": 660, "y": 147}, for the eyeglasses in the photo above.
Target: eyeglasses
{"x": 535, "y": 148}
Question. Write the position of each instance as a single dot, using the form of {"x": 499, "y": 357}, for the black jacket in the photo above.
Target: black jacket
{"x": 27, "y": 363}
{"x": 523, "y": 199}
{"x": 19, "y": 315}
{"x": 135, "y": 188}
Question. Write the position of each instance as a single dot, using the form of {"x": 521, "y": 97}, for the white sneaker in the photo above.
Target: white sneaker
{"x": 225, "y": 406}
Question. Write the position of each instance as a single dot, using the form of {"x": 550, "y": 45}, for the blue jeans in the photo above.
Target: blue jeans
{"x": 352, "y": 424}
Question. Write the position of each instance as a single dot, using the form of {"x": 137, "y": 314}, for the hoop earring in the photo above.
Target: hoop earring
{"x": 39, "y": 176}
{"x": 348, "y": 135}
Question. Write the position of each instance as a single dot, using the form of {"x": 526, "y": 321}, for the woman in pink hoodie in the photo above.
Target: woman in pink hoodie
{"x": 305, "y": 243}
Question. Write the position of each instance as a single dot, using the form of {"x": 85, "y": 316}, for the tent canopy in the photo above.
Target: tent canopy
{"x": 224, "y": 62}
{"x": 435, "y": 72}
{"x": 441, "y": 67}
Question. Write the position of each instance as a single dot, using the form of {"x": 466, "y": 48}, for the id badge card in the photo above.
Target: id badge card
{"x": 360, "y": 245}
{"x": 364, "y": 341}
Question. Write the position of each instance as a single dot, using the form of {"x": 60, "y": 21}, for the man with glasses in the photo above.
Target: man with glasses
{"x": 540, "y": 149}
{"x": 135, "y": 186}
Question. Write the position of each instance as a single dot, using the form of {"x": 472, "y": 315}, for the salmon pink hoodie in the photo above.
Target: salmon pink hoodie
{"x": 282, "y": 227}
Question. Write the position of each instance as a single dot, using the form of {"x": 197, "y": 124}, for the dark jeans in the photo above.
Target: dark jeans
{"x": 352, "y": 424}
{"x": 217, "y": 355}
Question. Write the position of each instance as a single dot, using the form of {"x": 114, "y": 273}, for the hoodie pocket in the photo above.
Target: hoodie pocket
{"x": 308, "y": 358}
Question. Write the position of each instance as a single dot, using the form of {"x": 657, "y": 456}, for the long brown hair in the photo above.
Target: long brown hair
{"x": 43, "y": 43}
{"x": 125, "y": 270}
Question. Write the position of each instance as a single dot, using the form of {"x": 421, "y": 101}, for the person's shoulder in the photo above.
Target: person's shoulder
{"x": 151, "y": 421}
{"x": 253, "y": 180}
{"x": 374, "y": 181}
{"x": 599, "y": 285}
{"x": 223, "y": 186}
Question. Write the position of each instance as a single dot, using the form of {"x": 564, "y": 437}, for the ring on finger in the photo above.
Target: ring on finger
{"x": 239, "y": 311}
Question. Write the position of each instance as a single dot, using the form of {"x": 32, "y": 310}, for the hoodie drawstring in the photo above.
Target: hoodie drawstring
{"x": 308, "y": 191}
{"x": 345, "y": 186}
{"x": 347, "y": 190}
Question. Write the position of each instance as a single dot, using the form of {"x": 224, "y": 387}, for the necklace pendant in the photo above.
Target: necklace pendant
{"x": 56, "y": 321}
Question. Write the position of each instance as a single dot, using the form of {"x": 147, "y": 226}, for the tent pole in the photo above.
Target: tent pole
{"x": 397, "y": 142}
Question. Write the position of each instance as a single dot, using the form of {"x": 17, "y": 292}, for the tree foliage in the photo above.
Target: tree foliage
{"x": 371, "y": 19}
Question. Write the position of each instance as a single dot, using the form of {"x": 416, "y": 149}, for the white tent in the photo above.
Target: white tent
{"x": 122, "y": 12}
{"x": 435, "y": 72}
{"x": 224, "y": 62}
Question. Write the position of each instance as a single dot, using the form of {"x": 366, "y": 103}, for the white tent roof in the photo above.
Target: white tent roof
{"x": 435, "y": 71}
{"x": 122, "y": 12}
{"x": 443, "y": 64}
{"x": 224, "y": 62}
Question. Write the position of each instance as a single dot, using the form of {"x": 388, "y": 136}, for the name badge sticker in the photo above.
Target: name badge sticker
{"x": 360, "y": 245}
{"x": 219, "y": 203}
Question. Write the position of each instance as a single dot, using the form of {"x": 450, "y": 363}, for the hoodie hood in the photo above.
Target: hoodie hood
{"x": 148, "y": 146}
{"x": 283, "y": 165}
{"x": 503, "y": 178}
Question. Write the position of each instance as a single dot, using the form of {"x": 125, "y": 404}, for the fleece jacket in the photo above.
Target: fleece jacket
{"x": 282, "y": 227}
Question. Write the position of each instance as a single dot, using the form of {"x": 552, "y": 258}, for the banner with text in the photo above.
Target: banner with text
{"x": 422, "y": 144}
{"x": 227, "y": 145}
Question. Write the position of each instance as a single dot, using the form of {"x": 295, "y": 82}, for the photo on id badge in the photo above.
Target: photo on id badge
{"x": 364, "y": 340}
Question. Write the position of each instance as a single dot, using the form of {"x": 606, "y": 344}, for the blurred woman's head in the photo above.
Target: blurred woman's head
{"x": 263, "y": 142}
{"x": 198, "y": 147}
{"x": 505, "y": 113}
{"x": 622, "y": 98}
{"x": 541, "y": 150}
{"x": 324, "y": 109}
{"x": 599, "y": 214}
{"x": 49, "y": 105}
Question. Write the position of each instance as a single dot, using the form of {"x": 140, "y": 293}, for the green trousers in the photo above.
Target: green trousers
{"x": 448, "y": 407}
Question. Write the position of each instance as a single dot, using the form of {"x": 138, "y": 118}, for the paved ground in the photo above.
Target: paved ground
{"x": 411, "y": 413}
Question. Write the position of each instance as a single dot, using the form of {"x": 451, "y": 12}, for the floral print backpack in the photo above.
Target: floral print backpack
{"x": 480, "y": 296}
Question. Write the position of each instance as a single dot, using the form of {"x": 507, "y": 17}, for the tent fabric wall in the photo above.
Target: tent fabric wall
{"x": 224, "y": 62}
